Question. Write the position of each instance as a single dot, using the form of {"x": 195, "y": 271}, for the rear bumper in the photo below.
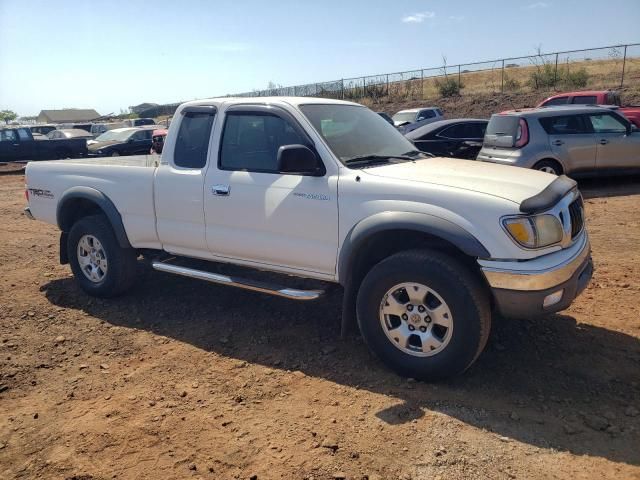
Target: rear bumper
{"x": 523, "y": 291}
{"x": 28, "y": 214}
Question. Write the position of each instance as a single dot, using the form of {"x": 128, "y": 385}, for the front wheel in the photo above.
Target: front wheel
{"x": 424, "y": 314}
{"x": 100, "y": 265}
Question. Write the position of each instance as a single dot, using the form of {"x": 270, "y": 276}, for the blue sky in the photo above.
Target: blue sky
{"x": 112, "y": 54}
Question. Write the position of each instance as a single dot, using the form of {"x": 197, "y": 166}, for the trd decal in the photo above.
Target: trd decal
{"x": 37, "y": 192}
{"x": 313, "y": 196}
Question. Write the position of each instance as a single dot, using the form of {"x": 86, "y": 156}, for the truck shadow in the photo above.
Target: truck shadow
{"x": 609, "y": 186}
{"x": 550, "y": 382}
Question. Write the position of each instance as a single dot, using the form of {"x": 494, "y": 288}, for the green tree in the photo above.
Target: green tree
{"x": 8, "y": 115}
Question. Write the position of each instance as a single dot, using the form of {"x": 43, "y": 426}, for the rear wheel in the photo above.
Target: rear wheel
{"x": 115, "y": 154}
{"x": 548, "y": 166}
{"x": 424, "y": 314}
{"x": 100, "y": 265}
{"x": 62, "y": 153}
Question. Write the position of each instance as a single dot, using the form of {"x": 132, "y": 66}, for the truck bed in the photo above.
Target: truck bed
{"x": 126, "y": 181}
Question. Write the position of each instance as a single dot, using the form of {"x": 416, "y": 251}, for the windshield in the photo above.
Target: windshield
{"x": 352, "y": 131}
{"x": 112, "y": 135}
{"x": 404, "y": 117}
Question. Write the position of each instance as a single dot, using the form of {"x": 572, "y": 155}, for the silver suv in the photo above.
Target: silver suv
{"x": 571, "y": 139}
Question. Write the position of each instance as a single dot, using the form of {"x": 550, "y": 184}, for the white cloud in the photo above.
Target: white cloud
{"x": 228, "y": 47}
{"x": 537, "y": 5}
{"x": 418, "y": 17}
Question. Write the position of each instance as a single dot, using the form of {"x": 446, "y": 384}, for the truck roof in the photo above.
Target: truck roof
{"x": 295, "y": 101}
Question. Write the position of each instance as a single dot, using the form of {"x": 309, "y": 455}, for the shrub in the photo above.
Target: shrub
{"x": 543, "y": 78}
{"x": 576, "y": 79}
{"x": 511, "y": 84}
{"x": 448, "y": 87}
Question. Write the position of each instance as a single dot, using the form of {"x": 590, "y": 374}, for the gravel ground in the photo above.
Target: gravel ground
{"x": 181, "y": 379}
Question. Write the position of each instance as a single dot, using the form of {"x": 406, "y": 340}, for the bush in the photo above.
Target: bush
{"x": 543, "y": 78}
{"x": 546, "y": 77}
{"x": 448, "y": 87}
{"x": 576, "y": 79}
{"x": 511, "y": 84}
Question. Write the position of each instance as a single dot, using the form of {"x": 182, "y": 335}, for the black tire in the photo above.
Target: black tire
{"x": 465, "y": 296}
{"x": 121, "y": 271}
{"x": 549, "y": 166}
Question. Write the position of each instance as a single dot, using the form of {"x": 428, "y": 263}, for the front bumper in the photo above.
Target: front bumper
{"x": 520, "y": 289}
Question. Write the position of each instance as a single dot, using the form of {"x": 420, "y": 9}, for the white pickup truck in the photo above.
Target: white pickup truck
{"x": 426, "y": 248}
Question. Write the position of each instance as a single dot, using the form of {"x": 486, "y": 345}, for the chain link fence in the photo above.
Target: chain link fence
{"x": 596, "y": 68}
{"x": 605, "y": 67}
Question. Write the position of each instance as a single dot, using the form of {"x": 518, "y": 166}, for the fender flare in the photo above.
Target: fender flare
{"x": 102, "y": 201}
{"x": 420, "y": 222}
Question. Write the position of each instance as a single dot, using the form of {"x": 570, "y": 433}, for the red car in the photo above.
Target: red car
{"x": 595, "y": 97}
{"x": 157, "y": 140}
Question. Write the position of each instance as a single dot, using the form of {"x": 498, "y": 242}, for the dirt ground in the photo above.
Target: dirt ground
{"x": 181, "y": 379}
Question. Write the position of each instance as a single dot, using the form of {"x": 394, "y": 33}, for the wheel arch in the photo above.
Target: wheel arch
{"x": 79, "y": 202}
{"x": 371, "y": 232}
{"x": 551, "y": 158}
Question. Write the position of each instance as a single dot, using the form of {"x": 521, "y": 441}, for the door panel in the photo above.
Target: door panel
{"x": 255, "y": 213}
{"x": 578, "y": 152}
{"x": 281, "y": 220}
{"x": 617, "y": 150}
{"x": 571, "y": 141}
{"x": 616, "y": 147}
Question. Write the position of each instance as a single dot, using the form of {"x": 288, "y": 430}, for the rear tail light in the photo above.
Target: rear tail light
{"x": 522, "y": 135}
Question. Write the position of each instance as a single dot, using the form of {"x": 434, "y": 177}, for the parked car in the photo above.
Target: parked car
{"x": 76, "y": 126}
{"x": 424, "y": 247}
{"x": 407, "y": 120}
{"x": 18, "y": 143}
{"x": 571, "y": 140}
{"x": 459, "y": 138}
{"x": 98, "y": 129}
{"x": 138, "y": 122}
{"x": 69, "y": 133}
{"x": 42, "y": 129}
{"x": 122, "y": 141}
{"x": 595, "y": 97}
{"x": 386, "y": 116}
{"x": 157, "y": 140}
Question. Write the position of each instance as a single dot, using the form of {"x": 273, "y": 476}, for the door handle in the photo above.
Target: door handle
{"x": 221, "y": 190}
{"x": 604, "y": 141}
{"x": 558, "y": 143}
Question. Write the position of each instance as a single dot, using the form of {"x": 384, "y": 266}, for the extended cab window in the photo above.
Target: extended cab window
{"x": 192, "y": 143}
{"x": 251, "y": 141}
{"x": 564, "y": 125}
{"x": 607, "y": 123}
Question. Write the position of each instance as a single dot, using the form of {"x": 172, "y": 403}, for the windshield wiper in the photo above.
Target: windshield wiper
{"x": 375, "y": 159}
{"x": 415, "y": 153}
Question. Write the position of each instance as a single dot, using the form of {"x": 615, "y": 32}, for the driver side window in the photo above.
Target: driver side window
{"x": 251, "y": 141}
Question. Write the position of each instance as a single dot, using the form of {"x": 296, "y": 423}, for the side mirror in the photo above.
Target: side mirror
{"x": 633, "y": 128}
{"x": 299, "y": 160}
{"x": 131, "y": 140}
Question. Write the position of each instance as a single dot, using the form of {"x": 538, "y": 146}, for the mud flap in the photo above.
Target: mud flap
{"x": 64, "y": 257}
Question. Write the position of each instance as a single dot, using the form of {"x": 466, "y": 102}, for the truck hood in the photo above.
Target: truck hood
{"x": 511, "y": 183}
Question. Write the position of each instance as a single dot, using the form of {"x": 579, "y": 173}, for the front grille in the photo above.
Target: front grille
{"x": 576, "y": 213}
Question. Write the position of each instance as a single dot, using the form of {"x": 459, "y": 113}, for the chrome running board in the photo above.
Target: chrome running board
{"x": 271, "y": 289}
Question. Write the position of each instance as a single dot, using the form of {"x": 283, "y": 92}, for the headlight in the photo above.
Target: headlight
{"x": 534, "y": 232}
